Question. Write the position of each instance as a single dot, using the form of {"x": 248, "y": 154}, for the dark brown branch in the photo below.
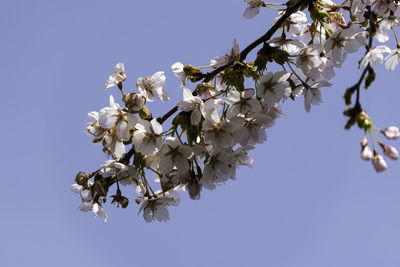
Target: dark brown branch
{"x": 289, "y": 11}
{"x": 127, "y": 157}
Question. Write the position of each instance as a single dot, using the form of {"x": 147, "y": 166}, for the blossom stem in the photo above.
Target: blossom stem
{"x": 274, "y": 4}
{"x": 272, "y": 8}
{"x": 298, "y": 77}
{"x": 395, "y": 36}
{"x": 372, "y": 139}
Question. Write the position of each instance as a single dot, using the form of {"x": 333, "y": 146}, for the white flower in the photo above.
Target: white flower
{"x": 218, "y": 168}
{"x": 112, "y": 126}
{"x": 125, "y": 174}
{"x": 253, "y": 8}
{"x": 88, "y": 205}
{"x": 314, "y": 33}
{"x": 156, "y": 208}
{"x": 309, "y": 59}
{"x": 357, "y": 9}
{"x": 147, "y": 138}
{"x": 194, "y": 104}
{"x": 117, "y": 76}
{"x": 86, "y": 194}
{"x": 108, "y": 116}
{"x": 379, "y": 163}
{"x": 312, "y": 94}
{"x": 391, "y": 152}
{"x": 241, "y": 156}
{"x": 115, "y": 116}
{"x": 115, "y": 146}
{"x": 379, "y": 7}
{"x": 126, "y": 122}
{"x": 374, "y": 56}
{"x": 217, "y": 132}
{"x": 241, "y": 102}
{"x": 326, "y": 73}
{"x": 93, "y": 127}
{"x": 212, "y": 110}
{"x": 153, "y": 86}
{"x": 391, "y": 132}
{"x": 76, "y": 188}
{"x": 85, "y": 206}
{"x": 228, "y": 58}
{"x": 273, "y": 87}
{"x": 383, "y": 28}
{"x": 344, "y": 41}
{"x": 294, "y": 25}
{"x": 392, "y": 59}
{"x": 291, "y": 46}
{"x": 98, "y": 211}
{"x": 177, "y": 68}
{"x": 273, "y": 112}
{"x": 174, "y": 154}
{"x": 251, "y": 129}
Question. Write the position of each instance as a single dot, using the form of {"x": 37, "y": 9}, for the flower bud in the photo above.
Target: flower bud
{"x": 379, "y": 163}
{"x": 134, "y": 102}
{"x": 144, "y": 113}
{"x": 364, "y": 142}
{"x": 391, "y": 152}
{"x": 82, "y": 179}
{"x": 391, "y": 132}
{"x": 366, "y": 153}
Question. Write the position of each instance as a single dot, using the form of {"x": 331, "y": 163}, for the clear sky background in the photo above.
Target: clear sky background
{"x": 309, "y": 201}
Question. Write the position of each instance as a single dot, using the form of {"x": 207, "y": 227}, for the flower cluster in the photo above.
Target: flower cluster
{"x": 221, "y": 118}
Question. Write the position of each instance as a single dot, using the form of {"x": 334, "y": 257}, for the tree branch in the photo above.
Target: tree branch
{"x": 210, "y": 75}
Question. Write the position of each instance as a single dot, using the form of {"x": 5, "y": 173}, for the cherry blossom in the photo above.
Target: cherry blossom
{"x": 117, "y": 76}
{"x": 157, "y": 208}
{"x": 179, "y": 72}
{"x": 392, "y": 59}
{"x": 309, "y": 59}
{"x": 242, "y": 102}
{"x": 147, "y": 138}
{"x": 194, "y": 104}
{"x": 295, "y": 25}
{"x": 228, "y": 58}
{"x": 174, "y": 154}
{"x": 253, "y": 9}
{"x": 152, "y": 86}
{"x": 374, "y": 56}
{"x": 273, "y": 87}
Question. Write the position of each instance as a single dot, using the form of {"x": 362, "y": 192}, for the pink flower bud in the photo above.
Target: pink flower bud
{"x": 391, "y": 152}
{"x": 379, "y": 163}
{"x": 366, "y": 153}
{"x": 364, "y": 142}
{"x": 391, "y": 132}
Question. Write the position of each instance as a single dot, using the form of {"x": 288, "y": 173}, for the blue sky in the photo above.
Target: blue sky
{"x": 309, "y": 200}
